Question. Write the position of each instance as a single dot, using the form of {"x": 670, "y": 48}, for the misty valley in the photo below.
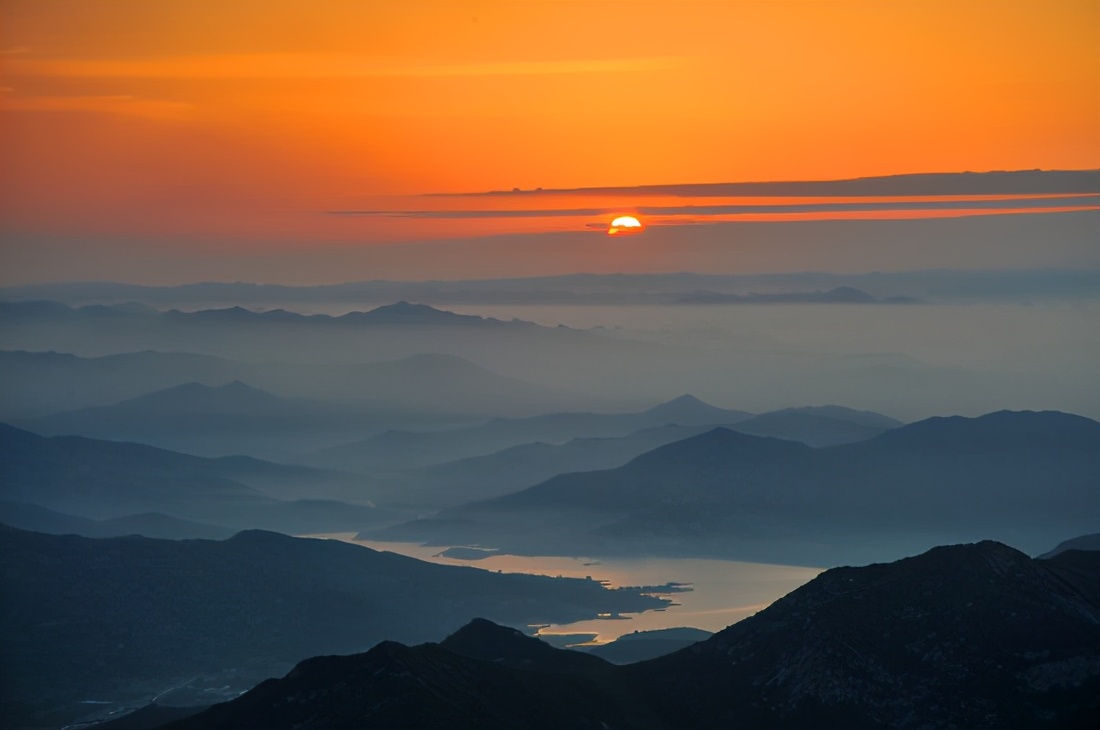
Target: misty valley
{"x": 404, "y": 514}
{"x": 561, "y": 365}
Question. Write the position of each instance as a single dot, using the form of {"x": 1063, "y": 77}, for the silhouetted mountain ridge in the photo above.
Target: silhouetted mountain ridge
{"x": 1032, "y": 477}
{"x": 113, "y": 618}
{"x": 104, "y": 480}
{"x": 973, "y": 635}
{"x": 399, "y": 449}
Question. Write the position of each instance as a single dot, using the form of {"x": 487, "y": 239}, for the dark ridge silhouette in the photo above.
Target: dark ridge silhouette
{"x": 401, "y": 313}
{"x": 484, "y": 640}
{"x": 404, "y": 313}
{"x": 973, "y": 635}
{"x": 113, "y": 618}
{"x": 963, "y": 636}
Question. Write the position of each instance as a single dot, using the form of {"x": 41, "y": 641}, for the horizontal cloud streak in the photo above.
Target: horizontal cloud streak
{"x": 702, "y": 211}
{"x": 122, "y": 104}
{"x": 318, "y": 65}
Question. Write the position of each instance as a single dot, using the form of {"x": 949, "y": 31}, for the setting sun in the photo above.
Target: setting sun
{"x": 625, "y": 224}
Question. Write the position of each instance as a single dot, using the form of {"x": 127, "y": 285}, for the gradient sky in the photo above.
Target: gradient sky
{"x": 178, "y": 128}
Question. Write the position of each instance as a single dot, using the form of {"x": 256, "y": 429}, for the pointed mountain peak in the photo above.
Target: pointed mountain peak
{"x": 484, "y": 640}
{"x": 403, "y": 312}
{"x": 687, "y": 399}
{"x": 197, "y": 395}
{"x": 238, "y": 386}
{"x": 688, "y": 410}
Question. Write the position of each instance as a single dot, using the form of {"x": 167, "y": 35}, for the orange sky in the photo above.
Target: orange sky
{"x": 243, "y": 119}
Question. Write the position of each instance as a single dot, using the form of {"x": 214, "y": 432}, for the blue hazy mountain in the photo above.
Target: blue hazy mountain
{"x": 52, "y": 382}
{"x": 641, "y": 645}
{"x": 519, "y": 467}
{"x": 337, "y": 401}
{"x": 819, "y": 425}
{"x": 943, "y": 285}
{"x": 33, "y": 518}
{"x": 1032, "y": 477}
{"x": 239, "y": 333}
{"x": 481, "y": 477}
{"x": 973, "y": 635}
{"x": 410, "y": 449}
{"x": 234, "y": 418}
{"x": 1087, "y": 543}
{"x": 103, "y": 480}
{"x": 120, "y": 618}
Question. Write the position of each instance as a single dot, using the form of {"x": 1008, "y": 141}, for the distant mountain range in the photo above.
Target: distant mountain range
{"x": 1090, "y": 543}
{"x": 408, "y": 449}
{"x": 937, "y": 286}
{"x": 933, "y": 286}
{"x": 1026, "y": 476}
{"x": 450, "y": 362}
{"x": 106, "y": 480}
{"x": 219, "y": 421}
{"x": 33, "y": 518}
{"x": 973, "y": 635}
{"x": 518, "y": 467}
{"x": 641, "y": 645}
{"x": 116, "y": 619}
{"x": 330, "y": 402}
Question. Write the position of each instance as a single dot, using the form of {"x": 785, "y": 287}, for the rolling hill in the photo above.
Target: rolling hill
{"x": 974, "y": 635}
{"x": 1026, "y": 476}
{"x": 397, "y": 450}
{"x": 104, "y": 480}
{"x": 123, "y": 618}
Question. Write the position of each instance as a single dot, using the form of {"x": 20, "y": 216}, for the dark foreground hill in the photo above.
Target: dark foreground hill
{"x": 122, "y": 618}
{"x": 968, "y": 636}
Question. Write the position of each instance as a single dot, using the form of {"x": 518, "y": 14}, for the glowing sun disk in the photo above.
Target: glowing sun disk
{"x": 625, "y": 224}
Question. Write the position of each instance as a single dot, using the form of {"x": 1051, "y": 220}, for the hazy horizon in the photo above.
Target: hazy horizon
{"x": 592, "y": 317}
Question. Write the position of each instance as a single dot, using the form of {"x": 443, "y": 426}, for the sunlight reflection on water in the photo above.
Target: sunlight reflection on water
{"x": 723, "y": 591}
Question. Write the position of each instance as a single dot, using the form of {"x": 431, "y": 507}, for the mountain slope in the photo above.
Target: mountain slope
{"x": 112, "y": 618}
{"x": 976, "y": 636}
{"x": 963, "y": 636}
{"x": 518, "y": 467}
{"x": 33, "y": 518}
{"x": 1029, "y": 477}
{"x": 104, "y": 480}
{"x": 44, "y": 383}
{"x": 819, "y": 425}
{"x": 211, "y": 421}
{"x": 408, "y": 450}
